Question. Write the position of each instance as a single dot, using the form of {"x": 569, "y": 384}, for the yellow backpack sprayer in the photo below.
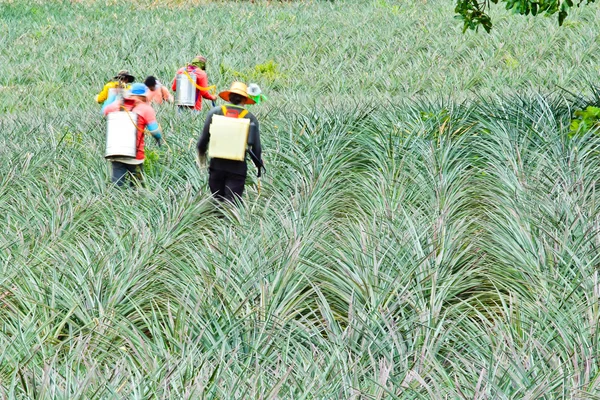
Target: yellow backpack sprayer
{"x": 229, "y": 136}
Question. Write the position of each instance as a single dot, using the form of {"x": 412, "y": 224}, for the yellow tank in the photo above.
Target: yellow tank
{"x": 228, "y": 138}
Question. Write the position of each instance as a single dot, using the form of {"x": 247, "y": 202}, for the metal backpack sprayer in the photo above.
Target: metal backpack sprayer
{"x": 185, "y": 95}
{"x": 117, "y": 92}
{"x": 121, "y": 134}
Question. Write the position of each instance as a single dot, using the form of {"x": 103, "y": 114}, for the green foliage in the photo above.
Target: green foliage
{"x": 267, "y": 73}
{"x": 422, "y": 231}
{"x": 151, "y": 162}
{"x": 473, "y": 13}
{"x": 584, "y": 120}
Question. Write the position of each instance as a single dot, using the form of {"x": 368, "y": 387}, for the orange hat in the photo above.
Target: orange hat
{"x": 238, "y": 88}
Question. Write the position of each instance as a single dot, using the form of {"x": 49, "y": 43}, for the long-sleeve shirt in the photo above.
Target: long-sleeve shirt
{"x": 254, "y": 148}
{"x": 146, "y": 119}
{"x": 201, "y": 81}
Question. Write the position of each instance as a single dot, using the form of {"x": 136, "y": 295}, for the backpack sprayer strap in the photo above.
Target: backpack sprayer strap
{"x": 122, "y": 107}
{"x": 211, "y": 88}
{"x": 240, "y": 115}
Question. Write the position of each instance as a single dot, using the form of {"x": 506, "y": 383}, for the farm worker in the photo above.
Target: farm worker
{"x": 134, "y": 102}
{"x": 122, "y": 81}
{"x": 255, "y": 93}
{"x": 157, "y": 93}
{"x": 198, "y": 68}
{"x": 227, "y": 177}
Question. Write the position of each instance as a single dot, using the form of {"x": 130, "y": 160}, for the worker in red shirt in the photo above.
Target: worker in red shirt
{"x": 134, "y": 103}
{"x": 198, "y": 68}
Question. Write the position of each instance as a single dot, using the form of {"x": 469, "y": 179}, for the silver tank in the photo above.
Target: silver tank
{"x": 121, "y": 134}
{"x": 185, "y": 95}
{"x": 116, "y": 92}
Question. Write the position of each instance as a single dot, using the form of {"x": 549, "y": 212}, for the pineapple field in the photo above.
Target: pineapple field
{"x": 427, "y": 228}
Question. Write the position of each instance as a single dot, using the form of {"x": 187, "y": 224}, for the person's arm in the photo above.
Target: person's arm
{"x": 202, "y": 144}
{"x": 255, "y": 147}
{"x": 151, "y": 124}
{"x": 147, "y": 120}
{"x": 155, "y": 131}
{"x": 112, "y": 107}
{"x": 202, "y": 81}
{"x": 111, "y": 99}
{"x": 166, "y": 95}
{"x": 103, "y": 95}
{"x": 174, "y": 84}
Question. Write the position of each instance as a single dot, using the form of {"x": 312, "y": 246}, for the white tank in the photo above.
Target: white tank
{"x": 185, "y": 95}
{"x": 114, "y": 94}
{"x": 116, "y": 91}
{"x": 121, "y": 134}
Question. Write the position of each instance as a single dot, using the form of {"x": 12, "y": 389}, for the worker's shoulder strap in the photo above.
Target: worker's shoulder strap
{"x": 233, "y": 112}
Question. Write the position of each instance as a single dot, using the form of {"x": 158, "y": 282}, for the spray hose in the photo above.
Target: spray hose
{"x": 211, "y": 89}
{"x": 145, "y": 129}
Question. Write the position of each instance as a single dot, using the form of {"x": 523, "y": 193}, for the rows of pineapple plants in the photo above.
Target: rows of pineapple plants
{"x": 398, "y": 248}
{"x": 425, "y": 251}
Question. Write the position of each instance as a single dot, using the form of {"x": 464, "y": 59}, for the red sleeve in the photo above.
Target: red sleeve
{"x": 173, "y": 86}
{"x": 202, "y": 81}
{"x": 146, "y": 114}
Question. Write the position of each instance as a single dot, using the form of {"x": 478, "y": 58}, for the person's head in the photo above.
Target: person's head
{"x": 124, "y": 76}
{"x": 200, "y": 62}
{"x": 237, "y": 94}
{"x": 236, "y": 99}
{"x": 138, "y": 91}
{"x": 150, "y": 82}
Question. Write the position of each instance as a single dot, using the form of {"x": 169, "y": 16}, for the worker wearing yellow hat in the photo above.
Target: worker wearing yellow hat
{"x": 230, "y": 134}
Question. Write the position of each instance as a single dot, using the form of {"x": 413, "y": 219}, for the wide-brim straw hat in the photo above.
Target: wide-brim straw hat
{"x": 237, "y": 88}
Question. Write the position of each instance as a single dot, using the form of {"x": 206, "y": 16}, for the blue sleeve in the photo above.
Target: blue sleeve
{"x": 154, "y": 129}
{"x": 111, "y": 98}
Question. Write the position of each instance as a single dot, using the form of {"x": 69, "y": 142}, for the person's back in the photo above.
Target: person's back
{"x": 136, "y": 104}
{"x": 227, "y": 176}
{"x": 198, "y": 68}
{"x": 157, "y": 93}
{"x": 120, "y": 83}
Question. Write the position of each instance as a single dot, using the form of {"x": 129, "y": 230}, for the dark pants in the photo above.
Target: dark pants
{"x": 122, "y": 171}
{"x": 226, "y": 185}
